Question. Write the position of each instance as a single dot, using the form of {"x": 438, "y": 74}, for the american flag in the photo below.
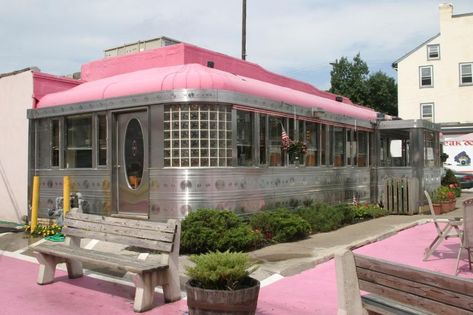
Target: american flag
{"x": 285, "y": 141}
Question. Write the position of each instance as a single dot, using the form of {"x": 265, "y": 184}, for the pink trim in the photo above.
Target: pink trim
{"x": 196, "y": 76}
{"x": 186, "y": 54}
{"x": 44, "y": 83}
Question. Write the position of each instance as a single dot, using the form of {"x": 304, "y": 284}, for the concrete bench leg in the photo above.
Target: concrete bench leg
{"x": 171, "y": 286}
{"x": 144, "y": 294}
{"x": 47, "y": 267}
{"x": 74, "y": 268}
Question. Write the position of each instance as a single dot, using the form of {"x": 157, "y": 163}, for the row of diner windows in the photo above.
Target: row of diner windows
{"x": 81, "y": 141}
{"x": 258, "y": 142}
{"x": 84, "y": 142}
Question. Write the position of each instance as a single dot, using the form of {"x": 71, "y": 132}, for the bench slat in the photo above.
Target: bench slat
{"x": 440, "y": 281}
{"x": 122, "y": 239}
{"x": 104, "y": 227}
{"x": 138, "y": 224}
{"x": 411, "y": 287}
{"x": 111, "y": 260}
{"x": 412, "y": 300}
{"x": 380, "y": 305}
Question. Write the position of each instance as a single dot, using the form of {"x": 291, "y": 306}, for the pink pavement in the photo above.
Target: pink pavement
{"x": 310, "y": 292}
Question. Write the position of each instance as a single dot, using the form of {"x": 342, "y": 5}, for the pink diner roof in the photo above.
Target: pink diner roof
{"x": 196, "y": 76}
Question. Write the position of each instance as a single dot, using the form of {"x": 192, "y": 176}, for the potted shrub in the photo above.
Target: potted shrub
{"x": 220, "y": 283}
{"x": 443, "y": 198}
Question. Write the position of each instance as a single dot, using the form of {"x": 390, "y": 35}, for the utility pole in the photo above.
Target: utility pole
{"x": 243, "y": 31}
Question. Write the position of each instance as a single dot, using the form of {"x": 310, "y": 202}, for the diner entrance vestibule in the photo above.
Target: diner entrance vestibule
{"x": 131, "y": 163}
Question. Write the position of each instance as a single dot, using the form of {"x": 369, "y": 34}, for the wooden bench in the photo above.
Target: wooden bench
{"x": 397, "y": 289}
{"x": 159, "y": 240}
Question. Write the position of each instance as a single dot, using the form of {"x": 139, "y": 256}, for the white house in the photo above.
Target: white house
{"x": 19, "y": 91}
{"x": 435, "y": 79}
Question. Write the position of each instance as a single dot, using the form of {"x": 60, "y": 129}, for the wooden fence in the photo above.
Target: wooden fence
{"x": 401, "y": 195}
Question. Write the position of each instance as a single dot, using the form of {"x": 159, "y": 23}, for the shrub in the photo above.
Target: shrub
{"x": 210, "y": 230}
{"x": 443, "y": 193}
{"x": 220, "y": 271}
{"x": 449, "y": 178}
{"x": 323, "y": 217}
{"x": 368, "y": 211}
{"x": 280, "y": 225}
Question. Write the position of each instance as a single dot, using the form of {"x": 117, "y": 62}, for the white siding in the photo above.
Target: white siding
{"x": 16, "y": 96}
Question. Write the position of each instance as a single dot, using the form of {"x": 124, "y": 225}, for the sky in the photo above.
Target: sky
{"x": 296, "y": 38}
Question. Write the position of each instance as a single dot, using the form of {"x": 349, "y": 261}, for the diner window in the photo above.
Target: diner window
{"x": 197, "y": 135}
{"x": 101, "y": 140}
{"x": 297, "y": 148}
{"x": 245, "y": 123}
{"x": 263, "y": 119}
{"x": 276, "y": 154}
{"x": 312, "y": 140}
{"x": 43, "y": 140}
{"x": 351, "y": 147}
{"x": 362, "y": 156}
{"x": 55, "y": 132}
{"x": 427, "y": 111}
{"x": 78, "y": 146}
{"x": 429, "y": 155}
{"x": 433, "y": 52}
{"x": 426, "y": 76}
{"x": 466, "y": 74}
{"x": 323, "y": 145}
{"x": 339, "y": 136}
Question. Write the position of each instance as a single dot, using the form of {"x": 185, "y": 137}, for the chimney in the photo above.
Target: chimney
{"x": 446, "y": 12}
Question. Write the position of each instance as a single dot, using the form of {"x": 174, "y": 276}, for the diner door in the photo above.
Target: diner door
{"x": 131, "y": 168}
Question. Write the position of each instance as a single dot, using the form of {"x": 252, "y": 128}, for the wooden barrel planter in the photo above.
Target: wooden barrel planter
{"x": 208, "y": 302}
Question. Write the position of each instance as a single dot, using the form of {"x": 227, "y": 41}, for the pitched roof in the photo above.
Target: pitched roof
{"x": 394, "y": 65}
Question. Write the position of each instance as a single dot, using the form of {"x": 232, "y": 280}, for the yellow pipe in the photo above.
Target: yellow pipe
{"x": 35, "y": 203}
{"x": 67, "y": 194}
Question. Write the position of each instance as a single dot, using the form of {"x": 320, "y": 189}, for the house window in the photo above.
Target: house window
{"x": 426, "y": 76}
{"x": 466, "y": 77}
{"x": 433, "y": 52}
{"x": 427, "y": 111}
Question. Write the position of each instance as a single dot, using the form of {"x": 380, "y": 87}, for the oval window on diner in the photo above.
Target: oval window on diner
{"x": 134, "y": 153}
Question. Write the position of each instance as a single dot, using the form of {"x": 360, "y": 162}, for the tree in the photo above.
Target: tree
{"x": 382, "y": 93}
{"x": 348, "y": 79}
{"x": 352, "y": 79}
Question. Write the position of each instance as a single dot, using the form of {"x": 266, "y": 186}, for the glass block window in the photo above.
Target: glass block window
{"x": 197, "y": 135}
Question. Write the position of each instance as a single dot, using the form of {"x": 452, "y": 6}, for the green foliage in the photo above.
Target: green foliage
{"x": 323, "y": 217}
{"x": 280, "y": 225}
{"x": 368, "y": 211}
{"x": 443, "y": 193}
{"x": 382, "y": 93}
{"x": 352, "y": 79}
{"x": 220, "y": 271}
{"x": 210, "y": 230}
{"x": 449, "y": 178}
{"x": 43, "y": 230}
{"x": 348, "y": 78}
{"x": 443, "y": 157}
